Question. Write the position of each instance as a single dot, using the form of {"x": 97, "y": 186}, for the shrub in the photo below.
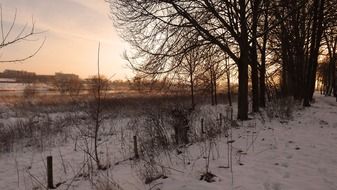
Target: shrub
{"x": 107, "y": 184}
{"x": 281, "y": 108}
{"x": 180, "y": 124}
{"x": 29, "y": 91}
{"x": 37, "y": 131}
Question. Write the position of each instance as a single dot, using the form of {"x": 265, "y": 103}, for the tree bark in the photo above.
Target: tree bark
{"x": 212, "y": 89}
{"x": 243, "y": 87}
{"x": 243, "y": 65}
{"x": 215, "y": 89}
{"x": 316, "y": 36}
{"x": 263, "y": 57}
{"x": 192, "y": 91}
{"x": 229, "y": 94}
{"x": 254, "y": 59}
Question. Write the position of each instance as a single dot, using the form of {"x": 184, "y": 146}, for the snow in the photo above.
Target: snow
{"x": 7, "y": 80}
{"x": 14, "y": 86}
{"x": 277, "y": 154}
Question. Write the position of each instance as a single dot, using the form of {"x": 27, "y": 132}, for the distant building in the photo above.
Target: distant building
{"x": 19, "y": 76}
{"x": 16, "y": 74}
{"x": 63, "y": 76}
{"x": 30, "y": 77}
{"x": 45, "y": 78}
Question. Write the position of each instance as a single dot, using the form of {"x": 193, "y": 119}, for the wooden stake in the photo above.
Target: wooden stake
{"x": 50, "y": 172}
{"x": 135, "y": 146}
{"x": 202, "y": 126}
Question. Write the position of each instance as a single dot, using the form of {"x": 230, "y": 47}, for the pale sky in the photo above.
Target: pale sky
{"x": 73, "y": 31}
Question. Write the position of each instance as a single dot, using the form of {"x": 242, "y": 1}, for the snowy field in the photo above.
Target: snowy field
{"x": 299, "y": 153}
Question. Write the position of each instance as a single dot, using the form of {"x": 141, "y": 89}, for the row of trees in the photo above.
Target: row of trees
{"x": 73, "y": 86}
{"x": 264, "y": 39}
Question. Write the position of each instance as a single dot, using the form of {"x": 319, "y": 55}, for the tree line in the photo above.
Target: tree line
{"x": 276, "y": 43}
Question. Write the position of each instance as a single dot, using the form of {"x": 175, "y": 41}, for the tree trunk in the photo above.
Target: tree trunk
{"x": 215, "y": 89}
{"x": 254, "y": 59}
{"x": 212, "y": 89}
{"x": 263, "y": 57}
{"x": 229, "y": 95}
{"x": 243, "y": 87}
{"x": 263, "y": 80}
{"x": 335, "y": 80}
{"x": 316, "y": 37}
{"x": 243, "y": 65}
{"x": 285, "y": 91}
{"x": 192, "y": 91}
{"x": 255, "y": 86}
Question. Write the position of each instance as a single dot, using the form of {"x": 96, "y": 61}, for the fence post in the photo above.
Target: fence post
{"x": 50, "y": 172}
{"x": 202, "y": 126}
{"x": 135, "y": 146}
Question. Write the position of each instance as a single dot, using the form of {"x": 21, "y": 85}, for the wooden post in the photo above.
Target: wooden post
{"x": 50, "y": 172}
{"x": 135, "y": 146}
{"x": 220, "y": 119}
{"x": 202, "y": 126}
{"x": 229, "y": 113}
{"x": 228, "y": 154}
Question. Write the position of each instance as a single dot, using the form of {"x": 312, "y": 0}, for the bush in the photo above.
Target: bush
{"x": 180, "y": 124}
{"x": 37, "y": 131}
{"x": 107, "y": 184}
{"x": 281, "y": 108}
{"x": 29, "y": 91}
{"x": 155, "y": 135}
{"x": 71, "y": 86}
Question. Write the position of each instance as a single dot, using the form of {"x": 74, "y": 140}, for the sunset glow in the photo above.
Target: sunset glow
{"x": 72, "y": 29}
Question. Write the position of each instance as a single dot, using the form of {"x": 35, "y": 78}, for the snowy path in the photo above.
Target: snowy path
{"x": 298, "y": 155}
{"x": 303, "y": 153}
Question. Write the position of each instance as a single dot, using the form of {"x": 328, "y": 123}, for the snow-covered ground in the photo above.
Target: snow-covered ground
{"x": 19, "y": 87}
{"x": 278, "y": 154}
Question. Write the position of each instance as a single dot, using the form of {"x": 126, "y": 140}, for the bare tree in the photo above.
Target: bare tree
{"x": 214, "y": 70}
{"x": 161, "y": 25}
{"x": 296, "y": 43}
{"x": 241, "y": 29}
{"x": 263, "y": 52}
{"x": 315, "y": 40}
{"x": 96, "y": 113}
{"x": 98, "y": 87}
{"x": 189, "y": 67}
{"x": 9, "y": 37}
{"x": 330, "y": 37}
{"x": 68, "y": 85}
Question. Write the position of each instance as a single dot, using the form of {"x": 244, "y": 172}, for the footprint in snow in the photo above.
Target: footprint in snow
{"x": 289, "y": 156}
{"x": 284, "y": 165}
{"x": 335, "y": 125}
{"x": 273, "y": 186}
{"x": 276, "y": 186}
{"x": 322, "y": 122}
{"x": 322, "y": 170}
{"x": 286, "y": 175}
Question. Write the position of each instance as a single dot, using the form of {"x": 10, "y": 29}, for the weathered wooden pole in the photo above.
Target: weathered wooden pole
{"x": 135, "y": 146}
{"x": 229, "y": 113}
{"x": 202, "y": 126}
{"x": 50, "y": 172}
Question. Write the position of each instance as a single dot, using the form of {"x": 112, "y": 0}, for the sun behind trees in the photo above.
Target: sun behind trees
{"x": 263, "y": 38}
